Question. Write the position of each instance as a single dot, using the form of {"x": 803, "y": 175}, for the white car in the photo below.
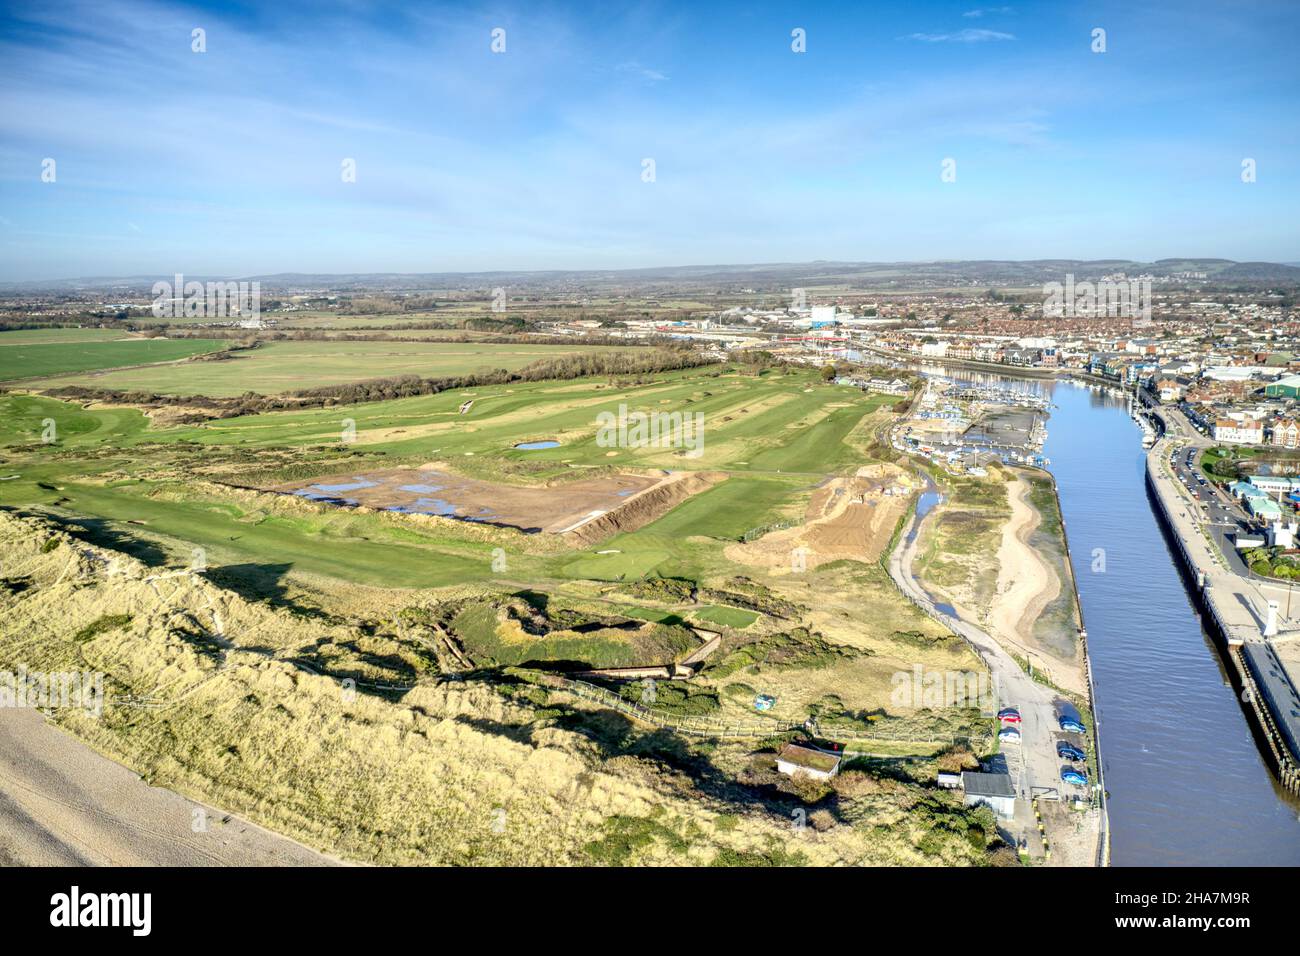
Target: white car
{"x": 1009, "y": 735}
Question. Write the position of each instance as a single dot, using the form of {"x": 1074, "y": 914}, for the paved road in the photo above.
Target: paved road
{"x": 1241, "y": 599}
{"x": 62, "y": 804}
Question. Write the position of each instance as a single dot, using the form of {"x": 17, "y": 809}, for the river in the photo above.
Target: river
{"x": 1187, "y": 782}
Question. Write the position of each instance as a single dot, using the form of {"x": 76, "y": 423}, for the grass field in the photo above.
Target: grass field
{"x": 48, "y": 354}
{"x": 59, "y": 336}
{"x": 775, "y": 435}
{"x": 284, "y": 366}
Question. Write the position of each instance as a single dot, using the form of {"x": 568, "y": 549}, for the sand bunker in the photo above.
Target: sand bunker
{"x": 557, "y": 508}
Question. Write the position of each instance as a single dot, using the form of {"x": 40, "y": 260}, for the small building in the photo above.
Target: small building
{"x": 1263, "y": 508}
{"x": 794, "y": 759}
{"x": 990, "y": 789}
{"x": 948, "y": 780}
{"x": 1242, "y": 489}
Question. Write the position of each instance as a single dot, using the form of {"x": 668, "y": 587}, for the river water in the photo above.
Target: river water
{"x": 1187, "y": 782}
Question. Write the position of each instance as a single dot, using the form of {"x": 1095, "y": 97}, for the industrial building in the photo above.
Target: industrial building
{"x": 1285, "y": 387}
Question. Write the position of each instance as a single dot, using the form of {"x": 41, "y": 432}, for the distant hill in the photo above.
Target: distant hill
{"x": 880, "y": 276}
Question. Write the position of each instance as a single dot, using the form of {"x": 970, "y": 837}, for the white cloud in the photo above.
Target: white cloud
{"x": 644, "y": 72}
{"x": 962, "y": 36}
{"x": 986, "y": 11}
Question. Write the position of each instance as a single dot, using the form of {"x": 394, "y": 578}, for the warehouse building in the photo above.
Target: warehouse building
{"x": 1286, "y": 387}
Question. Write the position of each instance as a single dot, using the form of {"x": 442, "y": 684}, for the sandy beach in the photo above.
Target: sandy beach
{"x": 63, "y": 804}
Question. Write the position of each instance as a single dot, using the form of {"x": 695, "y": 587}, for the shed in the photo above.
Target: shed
{"x": 793, "y": 759}
{"x": 948, "y": 780}
{"x": 990, "y": 789}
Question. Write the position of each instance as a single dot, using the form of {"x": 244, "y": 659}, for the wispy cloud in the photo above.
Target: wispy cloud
{"x": 986, "y": 12}
{"x": 962, "y": 36}
{"x": 643, "y": 72}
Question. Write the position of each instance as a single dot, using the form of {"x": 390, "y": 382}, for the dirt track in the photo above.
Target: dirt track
{"x": 62, "y": 804}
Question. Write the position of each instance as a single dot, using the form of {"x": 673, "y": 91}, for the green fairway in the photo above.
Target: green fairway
{"x": 690, "y": 538}
{"x": 775, "y": 436}
{"x": 25, "y": 418}
{"x": 749, "y": 423}
{"x": 726, "y": 616}
{"x": 28, "y": 361}
{"x": 277, "y": 367}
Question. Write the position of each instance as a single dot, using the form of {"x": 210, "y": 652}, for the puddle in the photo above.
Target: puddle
{"x": 534, "y": 445}
{"x": 355, "y": 485}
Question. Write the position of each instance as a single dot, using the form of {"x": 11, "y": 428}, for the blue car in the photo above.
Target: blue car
{"x": 1072, "y": 726}
{"x": 1076, "y": 777}
{"x": 1069, "y": 752}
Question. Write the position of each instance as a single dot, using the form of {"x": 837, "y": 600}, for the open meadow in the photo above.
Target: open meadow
{"x": 33, "y": 354}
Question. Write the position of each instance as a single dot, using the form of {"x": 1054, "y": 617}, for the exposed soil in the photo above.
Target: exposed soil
{"x": 851, "y": 518}
{"x": 555, "y": 508}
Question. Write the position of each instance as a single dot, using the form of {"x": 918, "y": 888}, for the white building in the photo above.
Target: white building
{"x": 1282, "y": 535}
{"x": 1232, "y": 432}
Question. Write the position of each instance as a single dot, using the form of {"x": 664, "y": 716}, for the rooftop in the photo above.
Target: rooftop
{"x": 987, "y": 784}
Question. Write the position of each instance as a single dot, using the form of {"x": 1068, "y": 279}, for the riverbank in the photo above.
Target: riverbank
{"x": 1236, "y": 609}
{"x": 1054, "y": 830}
{"x": 1025, "y": 597}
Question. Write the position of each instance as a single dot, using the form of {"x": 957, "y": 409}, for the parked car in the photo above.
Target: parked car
{"x": 1009, "y": 735}
{"x": 1076, "y": 777}
{"x": 1069, "y": 751}
{"x": 1072, "y": 726}
{"x": 1012, "y": 718}
{"x": 1008, "y": 712}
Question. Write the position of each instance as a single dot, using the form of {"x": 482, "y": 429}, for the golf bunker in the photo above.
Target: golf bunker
{"x": 554, "y": 508}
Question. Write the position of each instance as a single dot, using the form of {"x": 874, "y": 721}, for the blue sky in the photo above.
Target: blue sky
{"x": 229, "y": 161}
